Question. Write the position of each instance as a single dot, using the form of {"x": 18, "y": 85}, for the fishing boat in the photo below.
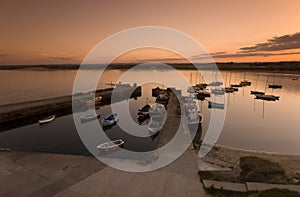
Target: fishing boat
{"x": 275, "y": 86}
{"x": 215, "y": 105}
{"x": 111, "y": 145}
{"x": 110, "y": 119}
{"x": 47, "y": 119}
{"x": 90, "y": 117}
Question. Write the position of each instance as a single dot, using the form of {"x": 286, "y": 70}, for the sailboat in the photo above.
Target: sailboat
{"x": 235, "y": 85}
{"x": 275, "y": 86}
{"x": 245, "y": 82}
{"x": 228, "y": 89}
{"x": 265, "y": 96}
{"x": 255, "y": 92}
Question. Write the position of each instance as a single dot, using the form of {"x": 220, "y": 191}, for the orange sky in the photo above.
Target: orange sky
{"x": 45, "y": 32}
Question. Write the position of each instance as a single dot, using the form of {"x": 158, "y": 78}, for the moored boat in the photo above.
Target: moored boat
{"x": 111, "y": 145}
{"x": 110, "y": 119}
{"x": 215, "y": 105}
{"x": 256, "y": 92}
{"x": 216, "y": 83}
{"x": 156, "y": 124}
{"x": 236, "y": 85}
{"x": 275, "y": 86}
{"x": 220, "y": 91}
{"x": 90, "y": 117}
{"x": 267, "y": 97}
{"x": 194, "y": 117}
{"x": 144, "y": 112}
{"x": 95, "y": 101}
{"x": 47, "y": 119}
{"x": 245, "y": 83}
{"x": 162, "y": 98}
{"x": 229, "y": 89}
{"x": 157, "y": 110}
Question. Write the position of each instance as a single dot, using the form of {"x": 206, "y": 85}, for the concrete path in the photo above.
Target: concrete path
{"x": 43, "y": 174}
{"x": 177, "y": 179}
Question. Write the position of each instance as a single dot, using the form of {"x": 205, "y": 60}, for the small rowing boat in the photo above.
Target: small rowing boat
{"x": 110, "y": 119}
{"x": 47, "y": 119}
{"x": 111, "y": 145}
{"x": 90, "y": 117}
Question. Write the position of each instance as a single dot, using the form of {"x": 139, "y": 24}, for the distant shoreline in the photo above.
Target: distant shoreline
{"x": 257, "y": 66}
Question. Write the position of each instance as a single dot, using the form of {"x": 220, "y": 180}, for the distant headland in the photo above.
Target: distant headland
{"x": 293, "y": 66}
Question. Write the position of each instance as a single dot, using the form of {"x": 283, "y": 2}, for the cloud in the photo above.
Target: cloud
{"x": 285, "y": 42}
{"x": 160, "y": 59}
{"x": 253, "y": 54}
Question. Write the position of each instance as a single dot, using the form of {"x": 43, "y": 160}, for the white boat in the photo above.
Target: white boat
{"x": 219, "y": 91}
{"x": 111, "y": 145}
{"x": 111, "y": 119}
{"x": 194, "y": 118}
{"x": 156, "y": 124}
{"x": 95, "y": 101}
{"x": 157, "y": 110}
{"x": 215, "y": 105}
{"x": 47, "y": 119}
{"x": 90, "y": 117}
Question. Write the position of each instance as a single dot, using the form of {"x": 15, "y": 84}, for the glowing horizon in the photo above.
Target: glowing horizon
{"x": 49, "y": 32}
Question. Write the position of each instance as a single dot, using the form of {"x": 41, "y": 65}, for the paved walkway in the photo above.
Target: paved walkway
{"x": 42, "y": 174}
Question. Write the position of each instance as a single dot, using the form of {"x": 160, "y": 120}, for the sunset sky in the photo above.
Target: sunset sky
{"x": 62, "y": 32}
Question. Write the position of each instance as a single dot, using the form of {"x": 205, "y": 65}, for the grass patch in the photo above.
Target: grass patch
{"x": 220, "y": 192}
{"x": 219, "y": 176}
{"x": 279, "y": 193}
{"x": 254, "y": 169}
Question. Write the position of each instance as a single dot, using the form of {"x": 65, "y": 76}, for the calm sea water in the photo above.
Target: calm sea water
{"x": 249, "y": 124}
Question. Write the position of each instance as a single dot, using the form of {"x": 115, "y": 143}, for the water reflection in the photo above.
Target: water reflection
{"x": 253, "y": 124}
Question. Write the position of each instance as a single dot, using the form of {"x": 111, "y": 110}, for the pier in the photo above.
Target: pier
{"x": 24, "y": 113}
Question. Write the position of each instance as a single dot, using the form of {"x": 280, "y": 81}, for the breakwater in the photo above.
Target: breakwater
{"x": 24, "y": 113}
